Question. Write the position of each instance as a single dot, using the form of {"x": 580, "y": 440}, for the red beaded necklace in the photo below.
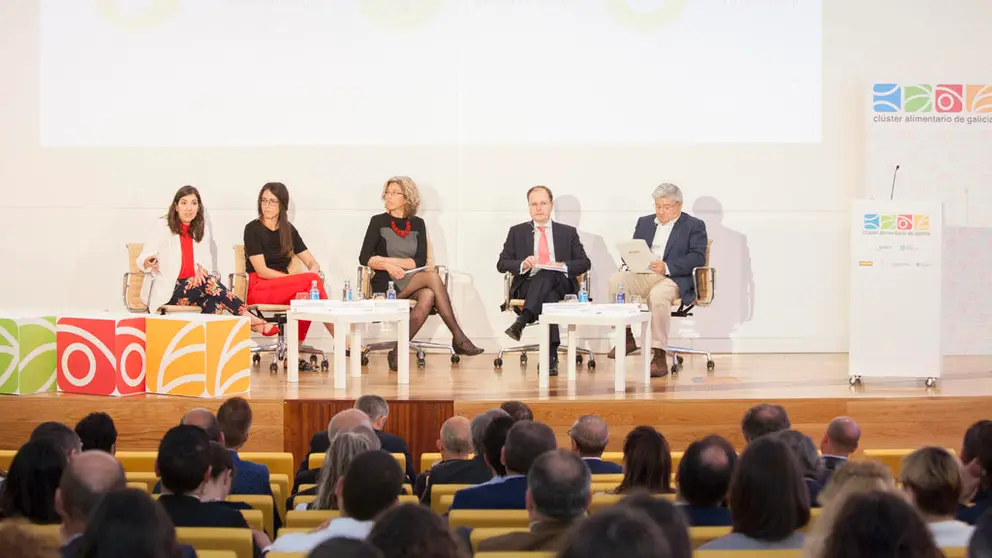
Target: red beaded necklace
{"x": 400, "y": 232}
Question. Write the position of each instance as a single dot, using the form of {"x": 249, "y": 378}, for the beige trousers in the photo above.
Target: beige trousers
{"x": 660, "y": 292}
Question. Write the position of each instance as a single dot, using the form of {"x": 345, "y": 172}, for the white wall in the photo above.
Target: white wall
{"x": 777, "y": 213}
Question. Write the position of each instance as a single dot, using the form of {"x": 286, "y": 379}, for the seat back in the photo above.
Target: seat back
{"x": 52, "y": 534}
{"x": 137, "y": 461}
{"x": 217, "y": 538}
{"x": 316, "y": 460}
{"x": 704, "y": 279}
{"x": 489, "y": 518}
{"x": 260, "y": 502}
{"x": 134, "y": 280}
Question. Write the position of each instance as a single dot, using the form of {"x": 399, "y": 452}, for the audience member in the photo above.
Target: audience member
{"x": 218, "y": 487}
{"x": 931, "y": 477}
{"x": 84, "y": 482}
{"x": 96, "y": 431}
{"x": 321, "y": 441}
{"x": 980, "y": 545}
{"x": 977, "y": 462}
{"x": 558, "y": 495}
{"x": 647, "y": 462}
{"x": 18, "y": 541}
{"x": 371, "y": 485}
{"x": 412, "y": 531}
{"x": 852, "y": 478}
{"x": 456, "y": 465}
{"x": 525, "y": 441}
{"x": 235, "y": 418}
{"x": 345, "y": 447}
{"x": 33, "y": 478}
{"x": 764, "y": 418}
{"x": 518, "y": 410}
{"x": 804, "y": 450}
{"x": 667, "y": 516}
{"x": 64, "y": 437}
{"x": 207, "y": 421}
{"x": 378, "y": 412}
{"x": 492, "y": 445}
{"x": 617, "y": 531}
{"x": 703, "y": 481}
{"x": 183, "y": 464}
{"x": 768, "y": 500}
{"x": 345, "y": 548}
{"x": 838, "y": 443}
{"x": 879, "y": 524}
{"x": 128, "y": 524}
{"x": 590, "y": 435}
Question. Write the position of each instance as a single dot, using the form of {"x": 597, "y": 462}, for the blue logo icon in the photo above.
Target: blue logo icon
{"x": 886, "y": 97}
{"x": 872, "y": 222}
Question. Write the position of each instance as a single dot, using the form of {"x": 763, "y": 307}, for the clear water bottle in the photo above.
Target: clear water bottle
{"x": 346, "y": 293}
{"x": 621, "y": 299}
{"x": 314, "y": 291}
{"x": 391, "y": 292}
{"x": 583, "y": 292}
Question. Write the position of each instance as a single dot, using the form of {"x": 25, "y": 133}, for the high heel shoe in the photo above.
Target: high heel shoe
{"x": 266, "y": 329}
{"x": 467, "y": 348}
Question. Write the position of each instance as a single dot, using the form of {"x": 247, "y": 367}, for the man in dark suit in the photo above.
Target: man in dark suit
{"x": 183, "y": 463}
{"x": 455, "y": 466}
{"x": 235, "y": 417}
{"x": 558, "y": 494}
{"x": 704, "y": 480}
{"x": 839, "y": 442}
{"x": 976, "y": 456}
{"x": 540, "y": 242}
{"x": 525, "y": 441}
{"x": 378, "y": 412}
{"x": 678, "y": 241}
{"x": 590, "y": 436}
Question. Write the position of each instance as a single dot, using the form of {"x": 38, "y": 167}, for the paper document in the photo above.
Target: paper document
{"x": 551, "y": 267}
{"x": 416, "y": 269}
{"x": 637, "y": 255}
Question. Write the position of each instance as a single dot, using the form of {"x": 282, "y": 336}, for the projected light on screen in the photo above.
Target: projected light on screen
{"x": 373, "y": 72}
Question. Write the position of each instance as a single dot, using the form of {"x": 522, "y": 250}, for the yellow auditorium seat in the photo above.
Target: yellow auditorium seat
{"x": 279, "y": 491}
{"x": 699, "y": 536}
{"x": 309, "y": 519}
{"x": 440, "y": 490}
{"x": 137, "y": 461}
{"x": 537, "y": 554}
{"x": 788, "y": 553}
{"x": 52, "y": 533}
{"x": 955, "y": 552}
{"x": 615, "y": 478}
{"x": 304, "y": 499}
{"x": 307, "y": 498}
{"x": 601, "y": 501}
{"x": 278, "y": 463}
{"x": 489, "y": 518}
{"x": 255, "y": 520}
{"x": 892, "y": 458}
{"x": 217, "y": 554}
{"x": 307, "y": 487}
{"x": 6, "y": 457}
{"x": 428, "y": 459}
{"x": 483, "y": 533}
{"x": 137, "y": 485}
{"x": 316, "y": 460}
{"x": 289, "y": 530}
{"x": 217, "y": 538}
{"x": 149, "y": 479}
{"x": 613, "y": 457}
{"x": 598, "y": 487}
{"x": 286, "y": 555}
{"x": 260, "y": 502}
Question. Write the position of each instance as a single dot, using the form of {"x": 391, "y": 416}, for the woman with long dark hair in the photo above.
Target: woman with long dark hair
{"x": 647, "y": 462}
{"x": 178, "y": 259}
{"x": 129, "y": 524}
{"x": 29, "y": 489}
{"x": 271, "y": 243}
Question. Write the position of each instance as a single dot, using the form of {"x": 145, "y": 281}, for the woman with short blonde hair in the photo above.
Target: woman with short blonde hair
{"x": 345, "y": 447}
{"x": 931, "y": 477}
{"x": 395, "y": 248}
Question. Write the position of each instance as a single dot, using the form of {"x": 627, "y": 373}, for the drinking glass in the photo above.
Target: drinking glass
{"x": 569, "y": 298}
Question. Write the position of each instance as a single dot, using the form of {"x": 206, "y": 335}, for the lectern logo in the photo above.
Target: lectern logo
{"x": 924, "y": 97}
{"x": 903, "y": 222}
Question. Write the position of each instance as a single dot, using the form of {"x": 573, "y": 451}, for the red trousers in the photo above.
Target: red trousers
{"x": 283, "y": 289}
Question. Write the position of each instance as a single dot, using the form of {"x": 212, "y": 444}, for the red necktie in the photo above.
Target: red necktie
{"x": 543, "y": 253}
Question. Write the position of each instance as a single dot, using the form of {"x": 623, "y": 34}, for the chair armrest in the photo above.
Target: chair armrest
{"x": 442, "y": 271}
{"x": 507, "y": 281}
{"x": 704, "y": 281}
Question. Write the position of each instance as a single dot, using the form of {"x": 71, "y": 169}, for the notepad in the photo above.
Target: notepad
{"x": 637, "y": 255}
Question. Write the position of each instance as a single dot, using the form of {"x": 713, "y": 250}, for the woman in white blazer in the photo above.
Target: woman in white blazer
{"x": 178, "y": 259}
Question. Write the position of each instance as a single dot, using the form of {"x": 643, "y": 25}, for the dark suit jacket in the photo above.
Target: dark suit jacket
{"x": 519, "y": 245}
{"x": 319, "y": 443}
{"x": 830, "y": 464}
{"x": 187, "y": 511}
{"x": 453, "y": 471}
{"x": 249, "y": 478}
{"x": 599, "y": 467}
{"x": 543, "y": 535}
{"x": 686, "y": 249}
{"x": 391, "y": 443}
{"x": 706, "y": 516}
{"x": 71, "y": 550}
{"x": 979, "y": 505}
{"x": 509, "y": 494}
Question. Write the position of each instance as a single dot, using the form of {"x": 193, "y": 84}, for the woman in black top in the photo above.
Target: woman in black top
{"x": 271, "y": 242}
{"x": 395, "y": 244}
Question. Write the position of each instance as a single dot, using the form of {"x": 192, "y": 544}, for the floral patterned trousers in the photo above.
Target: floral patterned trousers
{"x": 211, "y": 296}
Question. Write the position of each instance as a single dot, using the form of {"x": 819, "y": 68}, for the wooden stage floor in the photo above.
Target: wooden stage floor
{"x": 813, "y": 388}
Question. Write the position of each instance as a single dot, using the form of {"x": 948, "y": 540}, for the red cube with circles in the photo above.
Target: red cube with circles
{"x": 101, "y": 355}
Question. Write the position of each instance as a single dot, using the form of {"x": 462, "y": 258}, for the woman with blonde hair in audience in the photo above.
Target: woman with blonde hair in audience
{"x": 879, "y": 525}
{"x": 851, "y": 479}
{"x": 177, "y": 256}
{"x": 395, "y": 245}
{"x": 931, "y": 477}
{"x": 647, "y": 462}
{"x": 345, "y": 447}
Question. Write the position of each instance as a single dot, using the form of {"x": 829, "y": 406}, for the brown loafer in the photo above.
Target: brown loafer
{"x": 631, "y": 345}
{"x": 659, "y": 364}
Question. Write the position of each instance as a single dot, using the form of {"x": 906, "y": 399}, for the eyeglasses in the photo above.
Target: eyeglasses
{"x": 269, "y": 201}
{"x": 672, "y": 205}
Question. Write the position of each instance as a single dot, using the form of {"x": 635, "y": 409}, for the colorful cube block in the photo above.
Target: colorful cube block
{"x": 27, "y": 354}
{"x": 101, "y": 354}
{"x": 198, "y": 355}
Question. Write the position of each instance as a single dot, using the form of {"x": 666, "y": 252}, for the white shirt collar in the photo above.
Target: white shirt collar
{"x": 546, "y": 225}
{"x": 668, "y": 224}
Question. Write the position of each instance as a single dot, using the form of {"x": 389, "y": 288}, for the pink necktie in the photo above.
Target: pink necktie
{"x": 543, "y": 253}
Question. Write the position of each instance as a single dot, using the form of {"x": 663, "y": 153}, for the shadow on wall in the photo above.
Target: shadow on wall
{"x": 967, "y": 303}
{"x": 734, "y": 302}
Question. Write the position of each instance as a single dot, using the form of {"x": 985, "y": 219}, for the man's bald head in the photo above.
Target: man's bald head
{"x": 349, "y": 418}
{"x": 841, "y": 438}
{"x": 206, "y": 420}
{"x": 84, "y": 482}
{"x": 590, "y": 435}
{"x": 456, "y": 436}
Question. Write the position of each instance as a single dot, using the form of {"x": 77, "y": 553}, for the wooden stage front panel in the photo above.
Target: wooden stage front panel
{"x": 813, "y": 388}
